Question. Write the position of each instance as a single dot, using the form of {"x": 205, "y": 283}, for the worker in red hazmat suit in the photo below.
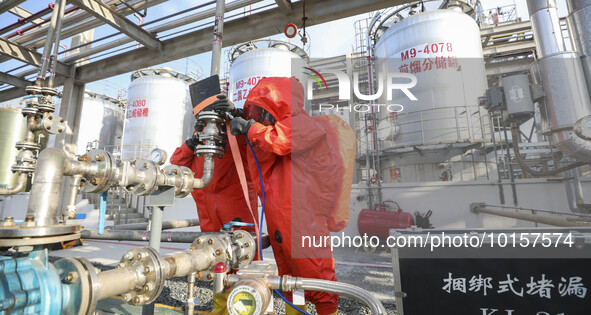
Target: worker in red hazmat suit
{"x": 222, "y": 200}
{"x": 300, "y": 179}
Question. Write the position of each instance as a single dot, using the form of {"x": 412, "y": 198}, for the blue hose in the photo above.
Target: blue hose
{"x": 261, "y": 223}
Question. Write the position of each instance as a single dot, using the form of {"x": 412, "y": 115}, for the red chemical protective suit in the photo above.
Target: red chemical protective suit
{"x": 222, "y": 200}
{"x": 299, "y": 187}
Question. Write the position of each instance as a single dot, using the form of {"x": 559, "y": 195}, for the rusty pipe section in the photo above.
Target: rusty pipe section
{"x": 563, "y": 222}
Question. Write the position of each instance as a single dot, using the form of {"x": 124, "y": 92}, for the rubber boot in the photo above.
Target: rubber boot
{"x": 220, "y": 303}
{"x": 292, "y": 311}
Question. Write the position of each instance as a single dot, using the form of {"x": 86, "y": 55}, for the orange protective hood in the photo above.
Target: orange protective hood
{"x": 282, "y": 97}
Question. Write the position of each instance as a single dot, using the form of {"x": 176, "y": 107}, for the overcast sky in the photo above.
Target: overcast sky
{"x": 326, "y": 40}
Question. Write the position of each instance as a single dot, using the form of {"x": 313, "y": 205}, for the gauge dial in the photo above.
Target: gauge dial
{"x": 158, "y": 156}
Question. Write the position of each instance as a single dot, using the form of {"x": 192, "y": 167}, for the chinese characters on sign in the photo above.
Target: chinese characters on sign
{"x": 437, "y": 56}
{"x": 242, "y": 88}
{"x": 541, "y": 286}
{"x": 137, "y": 109}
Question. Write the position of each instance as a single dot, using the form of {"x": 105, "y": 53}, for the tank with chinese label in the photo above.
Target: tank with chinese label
{"x": 159, "y": 112}
{"x": 441, "y": 119}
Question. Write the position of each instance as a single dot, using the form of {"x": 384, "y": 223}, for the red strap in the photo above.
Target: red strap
{"x": 206, "y": 102}
{"x": 242, "y": 176}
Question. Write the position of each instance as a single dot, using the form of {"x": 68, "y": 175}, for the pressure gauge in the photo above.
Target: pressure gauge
{"x": 158, "y": 156}
{"x": 248, "y": 297}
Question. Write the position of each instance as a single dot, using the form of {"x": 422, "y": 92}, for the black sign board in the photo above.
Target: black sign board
{"x": 496, "y": 286}
{"x": 469, "y": 281}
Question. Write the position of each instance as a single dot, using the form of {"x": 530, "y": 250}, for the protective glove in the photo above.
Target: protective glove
{"x": 240, "y": 126}
{"x": 223, "y": 105}
{"x": 192, "y": 142}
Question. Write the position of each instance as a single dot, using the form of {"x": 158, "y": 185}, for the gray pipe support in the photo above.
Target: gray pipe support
{"x": 166, "y": 225}
{"x": 140, "y": 236}
{"x": 531, "y": 217}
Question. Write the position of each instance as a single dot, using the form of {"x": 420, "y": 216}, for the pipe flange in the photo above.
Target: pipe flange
{"x": 221, "y": 248}
{"x": 29, "y": 111}
{"x": 213, "y": 116}
{"x": 203, "y": 149}
{"x": 149, "y": 182}
{"x": 22, "y": 168}
{"x": 181, "y": 177}
{"x": 25, "y": 145}
{"x": 153, "y": 269}
{"x": 103, "y": 180}
{"x": 78, "y": 280}
{"x": 244, "y": 249}
{"x": 53, "y": 124}
{"x": 32, "y": 89}
{"x": 46, "y": 107}
{"x": 48, "y": 91}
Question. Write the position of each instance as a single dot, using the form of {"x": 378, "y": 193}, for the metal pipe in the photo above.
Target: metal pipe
{"x": 48, "y": 44}
{"x": 22, "y": 21}
{"x": 155, "y": 234}
{"x": 561, "y": 74}
{"x": 344, "y": 289}
{"x": 579, "y": 27}
{"x": 120, "y": 280}
{"x": 154, "y": 30}
{"x": 566, "y": 222}
{"x": 526, "y": 168}
{"x": 161, "y": 28}
{"x": 20, "y": 185}
{"x": 184, "y": 263}
{"x": 73, "y": 198}
{"x": 218, "y": 33}
{"x": 189, "y": 309}
{"x": 56, "y": 47}
{"x": 166, "y": 225}
{"x": 133, "y": 235}
{"x": 45, "y": 192}
{"x": 202, "y": 182}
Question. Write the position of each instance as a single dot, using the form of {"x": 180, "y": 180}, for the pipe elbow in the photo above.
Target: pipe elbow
{"x": 208, "y": 166}
{"x": 20, "y": 186}
{"x": 572, "y": 145}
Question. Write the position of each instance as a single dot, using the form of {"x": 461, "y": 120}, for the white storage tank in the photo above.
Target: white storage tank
{"x": 262, "y": 58}
{"x": 101, "y": 122}
{"x": 159, "y": 112}
{"x": 442, "y": 49}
